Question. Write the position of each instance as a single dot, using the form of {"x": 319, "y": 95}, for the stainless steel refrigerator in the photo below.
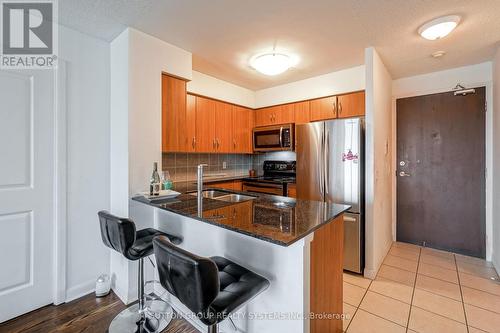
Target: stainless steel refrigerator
{"x": 330, "y": 167}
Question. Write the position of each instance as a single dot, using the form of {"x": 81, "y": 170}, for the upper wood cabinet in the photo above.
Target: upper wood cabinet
{"x": 351, "y": 105}
{"x": 223, "y": 127}
{"x": 323, "y": 108}
{"x": 302, "y": 115}
{"x": 173, "y": 113}
{"x": 187, "y": 127}
{"x": 275, "y": 115}
{"x": 205, "y": 125}
{"x": 243, "y": 123}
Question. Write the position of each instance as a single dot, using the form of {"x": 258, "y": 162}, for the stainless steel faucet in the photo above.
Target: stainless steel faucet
{"x": 200, "y": 188}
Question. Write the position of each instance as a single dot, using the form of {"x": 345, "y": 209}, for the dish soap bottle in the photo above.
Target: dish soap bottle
{"x": 155, "y": 183}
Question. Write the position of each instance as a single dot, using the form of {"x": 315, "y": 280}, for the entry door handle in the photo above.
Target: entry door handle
{"x": 404, "y": 174}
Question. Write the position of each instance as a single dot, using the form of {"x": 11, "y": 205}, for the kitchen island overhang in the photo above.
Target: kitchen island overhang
{"x": 296, "y": 244}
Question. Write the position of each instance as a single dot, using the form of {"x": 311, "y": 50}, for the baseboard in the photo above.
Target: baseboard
{"x": 370, "y": 273}
{"x": 80, "y": 290}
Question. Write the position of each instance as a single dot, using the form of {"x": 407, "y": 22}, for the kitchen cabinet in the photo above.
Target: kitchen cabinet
{"x": 205, "y": 125}
{"x": 173, "y": 104}
{"x": 323, "y": 108}
{"x": 291, "y": 190}
{"x": 223, "y": 127}
{"x": 187, "y": 126}
{"x": 243, "y": 123}
{"x": 302, "y": 112}
{"x": 351, "y": 105}
{"x": 275, "y": 115}
{"x": 225, "y": 185}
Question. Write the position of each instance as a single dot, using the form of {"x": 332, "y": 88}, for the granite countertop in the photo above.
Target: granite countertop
{"x": 275, "y": 219}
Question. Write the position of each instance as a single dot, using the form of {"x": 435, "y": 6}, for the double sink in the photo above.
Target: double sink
{"x": 224, "y": 196}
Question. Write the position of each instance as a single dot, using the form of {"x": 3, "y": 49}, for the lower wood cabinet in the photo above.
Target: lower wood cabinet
{"x": 291, "y": 190}
{"x": 227, "y": 185}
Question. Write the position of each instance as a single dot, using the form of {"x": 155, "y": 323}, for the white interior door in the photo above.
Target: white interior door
{"x": 26, "y": 190}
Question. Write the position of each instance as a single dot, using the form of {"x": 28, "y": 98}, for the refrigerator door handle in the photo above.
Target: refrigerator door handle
{"x": 326, "y": 163}
{"x": 320, "y": 167}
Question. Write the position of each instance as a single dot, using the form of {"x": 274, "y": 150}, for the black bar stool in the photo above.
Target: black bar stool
{"x": 120, "y": 235}
{"x": 212, "y": 288}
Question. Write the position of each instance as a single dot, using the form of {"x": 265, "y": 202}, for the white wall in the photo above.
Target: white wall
{"x": 495, "y": 170}
{"x": 442, "y": 81}
{"x": 378, "y": 189}
{"x": 137, "y": 63}
{"x": 206, "y": 85}
{"x": 87, "y": 114}
{"x": 347, "y": 80}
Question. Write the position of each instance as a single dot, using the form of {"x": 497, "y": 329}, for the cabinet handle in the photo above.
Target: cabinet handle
{"x": 234, "y": 143}
{"x": 217, "y": 140}
{"x": 340, "y": 108}
{"x": 213, "y": 143}
{"x": 334, "y": 107}
{"x": 193, "y": 142}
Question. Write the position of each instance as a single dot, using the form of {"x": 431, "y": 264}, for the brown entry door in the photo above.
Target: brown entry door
{"x": 441, "y": 171}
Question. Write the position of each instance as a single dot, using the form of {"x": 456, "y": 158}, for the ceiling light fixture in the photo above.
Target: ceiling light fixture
{"x": 439, "y": 27}
{"x": 271, "y": 63}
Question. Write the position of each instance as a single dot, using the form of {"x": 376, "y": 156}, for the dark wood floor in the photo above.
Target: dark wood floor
{"x": 86, "y": 314}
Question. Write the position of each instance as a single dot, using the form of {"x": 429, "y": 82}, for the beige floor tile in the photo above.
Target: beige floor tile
{"x": 443, "y": 306}
{"x": 406, "y": 246}
{"x": 438, "y": 272}
{"x": 448, "y": 263}
{"x": 405, "y": 253}
{"x": 364, "y": 322}
{"x": 481, "y": 299}
{"x": 483, "y": 319}
{"x": 473, "y": 260}
{"x": 423, "y": 321}
{"x": 349, "y": 311}
{"x": 439, "y": 287}
{"x": 484, "y": 272}
{"x": 401, "y": 263}
{"x": 353, "y": 294}
{"x": 386, "y": 307}
{"x": 480, "y": 283}
{"x": 396, "y": 274}
{"x": 475, "y": 330}
{"x": 392, "y": 289}
{"x": 437, "y": 253}
{"x": 357, "y": 280}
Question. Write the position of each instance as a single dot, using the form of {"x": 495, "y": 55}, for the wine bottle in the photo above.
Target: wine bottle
{"x": 155, "y": 183}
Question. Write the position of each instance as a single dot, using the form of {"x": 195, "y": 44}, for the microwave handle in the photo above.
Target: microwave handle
{"x": 281, "y": 136}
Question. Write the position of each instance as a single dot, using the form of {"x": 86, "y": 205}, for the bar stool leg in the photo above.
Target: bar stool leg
{"x": 213, "y": 329}
{"x": 140, "y": 286}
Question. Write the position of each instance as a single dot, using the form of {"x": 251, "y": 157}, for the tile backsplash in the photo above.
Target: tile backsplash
{"x": 182, "y": 166}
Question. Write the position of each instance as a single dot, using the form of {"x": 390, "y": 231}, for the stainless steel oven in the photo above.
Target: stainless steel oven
{"x": 273, "y": 138}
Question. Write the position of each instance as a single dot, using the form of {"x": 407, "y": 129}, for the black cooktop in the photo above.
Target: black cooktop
{"x": 278, "y": 172}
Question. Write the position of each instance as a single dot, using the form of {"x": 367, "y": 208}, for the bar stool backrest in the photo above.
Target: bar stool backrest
{"x": 117, "y": 233}
{"x": 192, "y": 279}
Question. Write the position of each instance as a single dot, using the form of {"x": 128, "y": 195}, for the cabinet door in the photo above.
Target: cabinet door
{"x": 223, "y": 127}
{"x": 351, "y": 105}
{"x": 238, "y": 185}
{"x": 323, "y": 108}
{"x": 264, "y": 116}
{"x": 173, "y": 112}
{"x": 302, "y": 112}
{"x": 284, "y": 114}
{"x": 187, "y": 126}
{"x": 223, "y": 185}
{"x": 243, "y": 122}
{"x": 205, "y": 125}
{"x": 292, "y": 190}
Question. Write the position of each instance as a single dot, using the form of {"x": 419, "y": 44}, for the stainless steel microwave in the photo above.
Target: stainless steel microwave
{"x": 273, "y": 138}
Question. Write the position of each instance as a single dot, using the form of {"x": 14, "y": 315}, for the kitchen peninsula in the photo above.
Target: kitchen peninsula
{"x": 296, "y": 244}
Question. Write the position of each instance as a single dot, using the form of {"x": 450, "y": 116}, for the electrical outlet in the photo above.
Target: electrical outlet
{"x": 224, "y": 165}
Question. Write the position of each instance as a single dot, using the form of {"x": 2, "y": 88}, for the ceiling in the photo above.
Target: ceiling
{"x": 327, "y": 35}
